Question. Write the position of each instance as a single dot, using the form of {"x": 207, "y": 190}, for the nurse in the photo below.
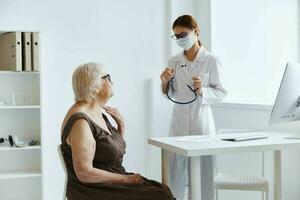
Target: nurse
{"x": 192, "y": 80}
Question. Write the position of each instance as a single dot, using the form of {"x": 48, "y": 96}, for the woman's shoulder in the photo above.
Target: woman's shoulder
{"x": 74, "y": 114}
{"x": 75, "y": 119}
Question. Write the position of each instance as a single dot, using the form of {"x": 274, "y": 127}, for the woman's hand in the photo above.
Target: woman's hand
{"x": 133, "y": 179}
{"x": 114, "y": 113}
{"x": 197, "y": 84}
{"x": 166, "y": 75}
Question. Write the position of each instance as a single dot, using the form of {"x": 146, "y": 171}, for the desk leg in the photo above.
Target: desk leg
{"x": 165, "y": 167}
{"x": 277, "y": 175}
{"x": 195, "y": 181}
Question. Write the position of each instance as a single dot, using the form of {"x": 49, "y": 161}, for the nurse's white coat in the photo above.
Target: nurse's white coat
{"x": 195, "y": 118}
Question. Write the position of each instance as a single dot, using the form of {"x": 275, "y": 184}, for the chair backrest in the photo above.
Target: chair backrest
{"x": 62, "y": 161}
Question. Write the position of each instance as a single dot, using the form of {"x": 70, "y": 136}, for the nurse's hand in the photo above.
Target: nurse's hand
{"x": 166, "y": 75}
{"x": 197, "y": 84}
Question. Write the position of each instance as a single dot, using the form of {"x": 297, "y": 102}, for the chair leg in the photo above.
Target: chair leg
{"x": 263, "y": 195}
{"x": 217, "y": 195}
{"x": 267, "y": 195}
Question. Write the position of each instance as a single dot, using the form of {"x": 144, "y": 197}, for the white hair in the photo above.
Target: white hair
{"x": 86, "y": 80}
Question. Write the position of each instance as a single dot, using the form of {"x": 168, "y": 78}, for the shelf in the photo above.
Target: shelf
{"x": 7, "y": 148}
{"x": 20, "y": 174}
{"x": 18, "y": 73}
{"x": 21, "y": 171}
{"x": 20, "y": 107}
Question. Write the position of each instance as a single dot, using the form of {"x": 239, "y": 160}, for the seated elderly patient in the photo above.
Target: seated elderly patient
{"x": 93, "y": 148}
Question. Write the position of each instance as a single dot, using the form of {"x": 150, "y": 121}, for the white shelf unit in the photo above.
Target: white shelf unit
{"x": 19, "y": 107}
{"x": 20, "y": 174}
{"x": 18, "y": 72}
{"x": 20, "y": 168}
{"x": 8, "y": 148}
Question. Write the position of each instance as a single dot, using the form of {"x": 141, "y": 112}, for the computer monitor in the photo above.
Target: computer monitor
{"x": 287, "y": 104}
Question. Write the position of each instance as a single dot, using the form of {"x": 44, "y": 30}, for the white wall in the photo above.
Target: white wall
{"x": 254, "y": 39}
{"x": 127, "y": 36}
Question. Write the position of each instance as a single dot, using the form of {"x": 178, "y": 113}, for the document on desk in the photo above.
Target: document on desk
{"x": 194, "y": 138}
{"x": 245, "y": 138}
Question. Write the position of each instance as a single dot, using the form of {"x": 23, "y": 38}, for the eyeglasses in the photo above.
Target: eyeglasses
{"x": 107, "y": 77}
{"x": 180, "y": 35}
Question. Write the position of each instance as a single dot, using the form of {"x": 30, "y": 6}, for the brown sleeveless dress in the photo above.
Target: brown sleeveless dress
{"x": 110, "y": 149}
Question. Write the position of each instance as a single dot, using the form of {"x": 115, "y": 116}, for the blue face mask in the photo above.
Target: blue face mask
{"x": 187, "y": 42}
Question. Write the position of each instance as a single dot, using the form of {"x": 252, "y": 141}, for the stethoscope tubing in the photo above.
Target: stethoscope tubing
{"x": 178, "y": 102}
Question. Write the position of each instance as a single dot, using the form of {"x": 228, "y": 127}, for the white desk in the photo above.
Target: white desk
{"x": 276, "y": 141}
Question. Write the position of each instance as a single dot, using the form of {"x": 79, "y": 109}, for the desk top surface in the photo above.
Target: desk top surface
{"x": 204, "y": 145}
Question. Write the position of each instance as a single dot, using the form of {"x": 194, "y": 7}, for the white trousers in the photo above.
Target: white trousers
{"x": 179, "y": 176}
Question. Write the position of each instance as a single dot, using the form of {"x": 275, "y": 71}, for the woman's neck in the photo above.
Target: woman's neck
{"x": 92, "y": 105}
{"x": 192, "y": 52}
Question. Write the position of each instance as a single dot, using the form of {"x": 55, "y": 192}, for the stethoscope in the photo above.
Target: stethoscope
{"x": 193, "y": 90}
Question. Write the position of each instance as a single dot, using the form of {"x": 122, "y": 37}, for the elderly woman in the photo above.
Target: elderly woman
{"x": 93, "y": 148}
